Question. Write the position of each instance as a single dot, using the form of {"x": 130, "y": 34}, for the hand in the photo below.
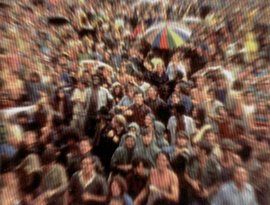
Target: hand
{"x": 195, "y": 186}
{"x": 204, "y": 193}
{"x": 110, "y": 134}
{"x": 128, "y": 112}
{"x": 86, "y": 196}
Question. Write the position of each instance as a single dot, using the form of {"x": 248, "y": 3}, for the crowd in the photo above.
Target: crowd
{"x": 92, "y": 114}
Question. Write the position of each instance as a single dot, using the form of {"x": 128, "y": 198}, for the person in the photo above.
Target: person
{"x": 121, "y": 158}
{"x": 157, "y": 105}
{"x": 96, "y": 97}
{"x": 148, "y": 150}
{"x": 163, "y": 187}
{"x": 87, "y": 186}
{"x": 54, "y": 181}
{"x": 118, "y": 189}
{"x": 137, "y": 111}
{"x": 180, "y": 122}
{"x": 137, "y": 178}
{"x": 74, "y": 161}
{"x": 193, "y": 173}
{"x": 78, "y": 100}
{"x": 238, "y": 191}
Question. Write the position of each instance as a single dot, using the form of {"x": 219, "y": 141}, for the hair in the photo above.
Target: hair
{"x": 121, "y": 182}
{"x": 121, "y": 120}
{"x": 137, "y": 161}
{"x": 162, "y": 153}
{"x": 85, "y": 138}
{"x": 48, "y": 156}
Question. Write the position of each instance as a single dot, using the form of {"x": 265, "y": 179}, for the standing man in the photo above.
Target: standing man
{"x": 96, "y": 97}
{"x": 137, "y": 111}
{"x": 236, "y": 192}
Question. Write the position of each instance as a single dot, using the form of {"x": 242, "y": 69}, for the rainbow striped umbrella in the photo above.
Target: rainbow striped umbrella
{"x": 167, "y": 35}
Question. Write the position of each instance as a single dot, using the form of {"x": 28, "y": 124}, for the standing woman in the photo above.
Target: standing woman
{"x": 62, "y": 105}
{"x": 87, "y": 186}
{"x": 118, "y": 189}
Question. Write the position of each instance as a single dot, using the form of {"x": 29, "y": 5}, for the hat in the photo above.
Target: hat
{"x": 227, "y": 144}
{"x": 264, "y": 157}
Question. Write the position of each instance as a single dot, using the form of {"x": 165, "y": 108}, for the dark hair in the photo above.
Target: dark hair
{"x": 48, "y": 156}
{"x": 85, "y": 138}
{"x": 121, "y": 182}
{"x": 162, "y": 153}
{"x": 137, "y": 161}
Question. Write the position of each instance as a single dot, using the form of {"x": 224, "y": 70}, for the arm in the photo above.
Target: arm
{"x": 173, "y": 195}
{"x": 64, "y": 184}
{"x": 142, "y": 195}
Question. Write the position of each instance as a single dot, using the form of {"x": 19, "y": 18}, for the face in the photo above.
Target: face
{"x": 130, "y": 93}
{"x": 115, "y": 189}
{"x": 147, "y": 139}
{"x": 240, "y": 176}
{"x": 162, "y": 161}
{"x": 175, "y": 99}
{"x": 152, "y": 93}
{"x": 130, "y": 143}
{"x": 138, "y": 99}
{"x": 211, "y": 95}
{"x": 211, "y": 138}
{"x": 140, "y": 169}
{"x": 85, "y": 147}
{"x": 148, "y": 121}
{"x": 87, "y": 166}
{"x": 96, "y": 80}
{"x": 199, "y": 82}
{"x": 181, "y": 141}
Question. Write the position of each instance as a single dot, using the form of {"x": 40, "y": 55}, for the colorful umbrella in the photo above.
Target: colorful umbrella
{"x": 167, "y": 35}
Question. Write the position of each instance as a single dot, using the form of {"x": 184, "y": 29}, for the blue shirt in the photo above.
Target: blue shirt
{"x": 229, "y": 194}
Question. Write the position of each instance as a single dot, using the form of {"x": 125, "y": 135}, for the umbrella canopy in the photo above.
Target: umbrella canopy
{"x": 167, "y": 35}
{"x": 58, "y": 20}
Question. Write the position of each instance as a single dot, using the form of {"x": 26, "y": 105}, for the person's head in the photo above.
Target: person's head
{"x": 48, "y": 156}
{"x": 200, "y": 81}
{"x": 175, "y": 98}
{"x": 118, "y": 186}
{"x": 85, "y": 145}
{"x": 138, "y": 99}
{"x": 119, "y": 121}
{"x": 240, "y": 176}
{"x": 228, "y": 147}
{"x": 139, "y": 165}
{"x": 146, "y": 137}
{"x": 130, "y": 140}
{"x": 249, "y": 97}
{"x": 160, "y": 68}
{"x": 87, "y": 165}
{"x": 182, "y": 139}
{"x": 211, "y": 137}
{"x": 162, "y": 161}
{"x": 30, "y": 138}
{"x": 152, "y": 92}
{"x": 149, "y": 120}
{"x": 96, "y": 80}
{"x": 204, "y": 148}
{"x": 130, "y": 91}
{"x": 211, "y": 94}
